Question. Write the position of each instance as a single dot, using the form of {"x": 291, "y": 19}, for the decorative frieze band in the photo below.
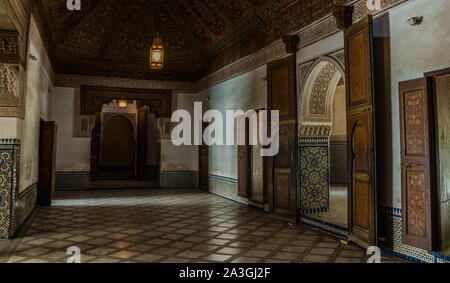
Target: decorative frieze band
{"x": 314, "y": 131}
{"x": 308, "y": 35}
{"x": 78, "y": 81}
{"x": 262, "y": 57}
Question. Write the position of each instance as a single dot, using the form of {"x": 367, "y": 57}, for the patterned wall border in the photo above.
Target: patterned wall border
{"x": 78, "y": 81}
{"x": 392, "y": 225}
{"x": 72, "y": 180}
{"x": 225, "y": 179}
{"x": 179, "y": 179}
{"x": 26, "y": 204}
{"x": 308, "y": 35}
{"x": 275, "y": 51}
{"x": 225, "y": 187}
{"x": 9, "y": 176}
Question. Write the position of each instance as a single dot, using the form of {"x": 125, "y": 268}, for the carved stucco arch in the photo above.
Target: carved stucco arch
{"x": 316, "y": 97}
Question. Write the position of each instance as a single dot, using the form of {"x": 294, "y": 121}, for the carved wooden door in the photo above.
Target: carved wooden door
{"x": 282, "y": 96}
{"x": 142, "y": 142}
{"x": 417, "y": 176}
{"x": 47, "y": 159}
{"x": 360, "y": 127}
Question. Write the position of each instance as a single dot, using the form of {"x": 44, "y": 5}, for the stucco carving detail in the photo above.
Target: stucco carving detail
{"x": 314, "y": 131}
{"x": 318, "y": 93}
{"x": 9, "y": 85}
{"x": 11, "y": 78}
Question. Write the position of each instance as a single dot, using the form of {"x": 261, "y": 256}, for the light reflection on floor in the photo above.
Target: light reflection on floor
{"x": 337, "y": 214}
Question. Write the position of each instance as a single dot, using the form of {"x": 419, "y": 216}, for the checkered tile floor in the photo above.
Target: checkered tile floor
{"x": 170, "y": 226}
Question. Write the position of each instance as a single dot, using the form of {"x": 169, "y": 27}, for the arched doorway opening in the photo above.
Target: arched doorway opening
{"x": 118, "y": 148}
{"x": 125, "y": 147}
{"x": 323, "y": 175}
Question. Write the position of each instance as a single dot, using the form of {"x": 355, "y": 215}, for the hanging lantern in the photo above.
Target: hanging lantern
{"x": 157, "y": 54}
{"x": 122, "y": 104}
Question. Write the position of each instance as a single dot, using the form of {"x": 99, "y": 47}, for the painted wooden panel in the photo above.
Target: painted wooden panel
{"x": 417, "y": 176}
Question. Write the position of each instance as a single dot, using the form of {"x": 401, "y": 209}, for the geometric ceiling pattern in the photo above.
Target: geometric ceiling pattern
{"x": 113, "y": 37}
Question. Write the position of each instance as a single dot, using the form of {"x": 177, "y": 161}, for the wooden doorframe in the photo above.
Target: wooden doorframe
{"x": 47, "y": 163}
{"x": 436, "y": 236}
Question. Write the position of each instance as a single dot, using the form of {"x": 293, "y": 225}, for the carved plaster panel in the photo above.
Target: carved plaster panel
{"x": 318, "y": 91}
{"x": 11, "y": 91}
{"x": 314, "y": 131}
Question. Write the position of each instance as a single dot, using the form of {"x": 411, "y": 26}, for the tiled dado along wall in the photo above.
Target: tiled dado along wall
{"x": 168, "y": 179}
{"x": 66, "y": 181}
{"x": 313, "y": 175}
{"x": 15, "y": 208}
{"x": 225, "y": 187}
{"x": 391, "y": 230}
{"x": 9, "y": 185}
{"x": 179, "y": 179}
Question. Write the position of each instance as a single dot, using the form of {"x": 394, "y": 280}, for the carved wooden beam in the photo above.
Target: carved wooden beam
{"x": 292, "y": 43}
{"x": 344, "y": 16}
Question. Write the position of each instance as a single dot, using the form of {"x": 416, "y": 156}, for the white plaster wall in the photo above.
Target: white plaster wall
{"x": 37, "y": 99}
{"x": 72, "y": 154}
{"x": 247, "y": 91}
{"x": 10, "y": 128}
{"x": 415, "y": 50}
{"x": 180, "y": 158}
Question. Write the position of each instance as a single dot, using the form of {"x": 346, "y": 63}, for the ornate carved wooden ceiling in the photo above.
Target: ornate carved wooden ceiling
{"x": 112, "y": 37}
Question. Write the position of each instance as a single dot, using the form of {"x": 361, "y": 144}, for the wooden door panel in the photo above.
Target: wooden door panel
{"x": 283, "y": 159}
{"x": 361, "y": 192}
{"x": 282, "y": 179}
{"x": 282, "y": 195}
{"x": 280, "y": 92}
{"x": 361, "y": 146}
{"x": 417, "y": 180}
{"x": 358, "y": 66}
{"x": 47, "y": 163}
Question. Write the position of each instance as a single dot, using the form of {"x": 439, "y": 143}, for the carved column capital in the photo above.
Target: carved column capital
{"x": 291, "y": 42}
{"x": 344, "y": 16}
